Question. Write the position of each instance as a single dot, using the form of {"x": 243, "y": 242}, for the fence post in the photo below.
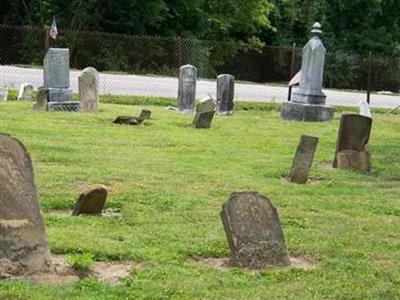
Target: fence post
{"x": 291, "y": 70}
{"x": 178, "y": 58}
{"x": 369, "y": 77}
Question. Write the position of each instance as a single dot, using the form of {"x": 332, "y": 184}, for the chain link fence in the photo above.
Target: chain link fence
{"x": 148, "y": 66}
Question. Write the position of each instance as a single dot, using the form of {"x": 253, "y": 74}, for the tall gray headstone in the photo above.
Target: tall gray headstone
{"x": 22, "y": 232}
{"x": 56, "y": 80}
{"x": 187, "y": 89}
{"x": 254, "y": 232}
{"x": 308, "y": 101}
{"x": 89, "y": 89}
{"x": 225, "y": 94}
{"x": 303, "y": 159}
{"x": 25, "y": 92}
{"x": 3, "y": 94}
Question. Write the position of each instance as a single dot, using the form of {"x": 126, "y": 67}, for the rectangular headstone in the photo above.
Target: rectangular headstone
{"x": 187, "y": 89}
{"x": 303, "y": 159}
{"x": 254, "y": 232}
{"x": 56, "y": 68}
{"x": 353, "y": 136}
{"x": 225, "y": 94}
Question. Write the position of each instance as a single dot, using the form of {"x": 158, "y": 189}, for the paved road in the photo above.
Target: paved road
{"x": 167, "y": 87}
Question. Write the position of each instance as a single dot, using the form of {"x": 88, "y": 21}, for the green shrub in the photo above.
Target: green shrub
{"x": 81, "y": 262}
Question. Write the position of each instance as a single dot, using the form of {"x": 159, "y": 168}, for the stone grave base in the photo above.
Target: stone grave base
{"x": 64, "y": 106}
{"x": 224, "y": 263}
{"x": 354, "y": 160}
{"x": 293, "y": 111}
{"x": 59, "y": 95}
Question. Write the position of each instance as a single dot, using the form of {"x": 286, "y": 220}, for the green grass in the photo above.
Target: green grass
{"x": 170, "y": 181}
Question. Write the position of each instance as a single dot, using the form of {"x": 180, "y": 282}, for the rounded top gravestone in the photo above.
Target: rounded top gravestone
{"x": 253, "y": 230}
{"x": 89, "y": 89}
{"x": 22, "y": 233}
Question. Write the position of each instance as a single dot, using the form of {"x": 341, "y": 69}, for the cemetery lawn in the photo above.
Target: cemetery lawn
{"x": 169, "y": 181}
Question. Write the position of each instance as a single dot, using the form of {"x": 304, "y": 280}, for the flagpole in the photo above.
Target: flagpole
{"x": 47, "y": 40}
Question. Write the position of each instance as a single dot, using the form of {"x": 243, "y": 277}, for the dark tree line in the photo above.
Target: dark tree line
{"x": 357, "y": 25}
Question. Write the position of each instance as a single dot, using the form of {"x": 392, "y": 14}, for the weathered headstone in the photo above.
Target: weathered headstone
{"x": 353, "y": 136}
{"x": 145, "y": 114}
{"x": 22, "y": 232}
{"x": 205, "y": 111}
{"x": 25, "y": 92}
{"x": 225, "y": 94}
{"x": 3, "y": 93}
{"x": 308, "y": 101}
{"x": 303, "y": 159}
{"x": 41, "y": 99}
{"x": 56, "y": 80}
{"x": 187, "y": 89}
{"x": 91, "y": 202}
{"x": 88, "y": 90}
{"x": 254, "y": 232}
{"x": 128, "y": 120}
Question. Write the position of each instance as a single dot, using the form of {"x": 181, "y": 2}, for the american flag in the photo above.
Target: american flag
{"x": 53, "y": 32}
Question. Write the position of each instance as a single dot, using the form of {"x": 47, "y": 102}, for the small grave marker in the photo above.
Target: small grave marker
{"x": 91, "y": 202}
{"x": 25, "y": 92}
{"x": 303, "y": 159}
{"x": 254, "y": 232}
{"x": 205, "y": 111}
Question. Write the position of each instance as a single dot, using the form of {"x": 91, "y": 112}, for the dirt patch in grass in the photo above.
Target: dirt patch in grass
{"x": 61, "y": 272}
{"x": 107, "y": 213}
{"x": 222, "y": 264}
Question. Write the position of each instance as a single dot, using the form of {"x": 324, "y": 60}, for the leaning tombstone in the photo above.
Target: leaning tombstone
{"x": 308, "y": 101}
{"x": 41, "y": 99}
{"x": 205, "y": 111}
{"x": 3, "y": 93}
{"x": 225, "y": 94}
{"x": 145, "y": 114}
{"x": 23, "y": 239}
{"x": 353, "y": 136}
{"x": 25, "y": 92}
{"x": 187, "y": 89}
{"x": 254, "y": 232}
{"x": 56, "y": 80}
{"x": 303, "y": 159}
{"x": 89, "y": 89}
{"x": 91, "y": 202}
